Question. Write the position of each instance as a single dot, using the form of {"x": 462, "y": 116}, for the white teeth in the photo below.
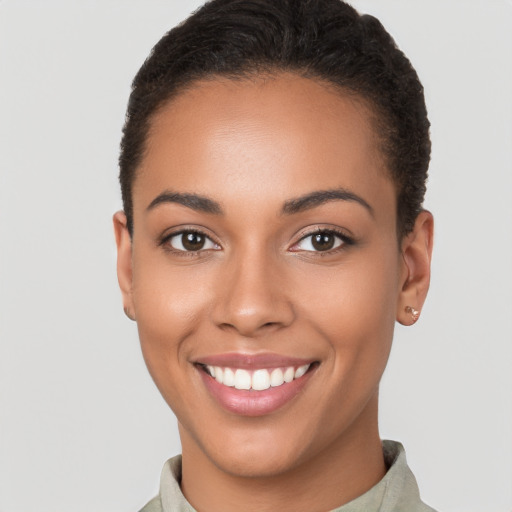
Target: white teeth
{"x": 301, "y": 370}
{"x": 229, "y": 377}
{"x": 260, "y": 380}
{"x": 289, "y": 374}
{"x": 242, "y": 379}
{"x": 276, "y": 377}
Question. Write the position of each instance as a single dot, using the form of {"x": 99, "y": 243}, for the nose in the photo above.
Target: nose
{"x": 253, "y": 297}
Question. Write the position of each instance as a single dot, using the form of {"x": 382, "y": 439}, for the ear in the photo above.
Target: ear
{"x": 415, "y": 278}
{"x": 124, "y": 262}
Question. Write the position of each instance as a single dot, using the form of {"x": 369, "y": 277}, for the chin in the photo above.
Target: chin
{"x": 256, "y": 451}
{"x": 263, "y": 463}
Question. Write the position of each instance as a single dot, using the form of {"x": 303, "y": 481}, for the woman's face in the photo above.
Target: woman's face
{"x": 264, "y": 245}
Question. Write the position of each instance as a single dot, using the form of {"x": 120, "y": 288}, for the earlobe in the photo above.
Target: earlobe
{"x": 416, "y": 257}
{"x": 124, "y": 262}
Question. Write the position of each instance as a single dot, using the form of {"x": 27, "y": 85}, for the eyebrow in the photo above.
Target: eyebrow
{"x": 320, "y": 197}
{"x": 306, "y": 202}
{"x": 193, "y": 201}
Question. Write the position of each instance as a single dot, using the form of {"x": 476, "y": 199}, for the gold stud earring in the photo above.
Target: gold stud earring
{"x": 413, "y": 312}
{"x": 127, "y": 313}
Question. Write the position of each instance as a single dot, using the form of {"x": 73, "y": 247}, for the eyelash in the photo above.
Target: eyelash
{"x": 165, "y": 242}
{"x": 343, "y": 237}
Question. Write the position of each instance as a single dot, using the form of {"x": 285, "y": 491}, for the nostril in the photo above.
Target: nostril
{"x": 249, "y": 329}
{"x": 250, "y": 312}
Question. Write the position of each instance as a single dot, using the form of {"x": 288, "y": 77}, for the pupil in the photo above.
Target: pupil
{"x": 192, "y": 241}
{"x": 323, "y": 241}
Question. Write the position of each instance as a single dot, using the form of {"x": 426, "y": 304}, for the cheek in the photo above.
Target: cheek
{"x": 353, "y": 306}
{"x": 169, "y": 302}
{"x": 365, "y": 284}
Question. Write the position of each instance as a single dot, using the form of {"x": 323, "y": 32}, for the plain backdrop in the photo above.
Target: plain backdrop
{"x": 82, "y": 426}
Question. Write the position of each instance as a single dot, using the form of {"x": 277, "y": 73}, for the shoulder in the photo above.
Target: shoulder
{"x": 155, "y": 505}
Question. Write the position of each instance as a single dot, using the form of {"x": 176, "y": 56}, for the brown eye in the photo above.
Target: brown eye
{"x": 323, "y": 241}
{"x": 191, "y": 241}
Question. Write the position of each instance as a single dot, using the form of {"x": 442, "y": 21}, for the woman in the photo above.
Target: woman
{"x": 273, "y": 169}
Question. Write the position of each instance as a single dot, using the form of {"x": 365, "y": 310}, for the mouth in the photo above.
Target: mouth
{"x": 254, "y": 386}
{"x": 259, "y": 379}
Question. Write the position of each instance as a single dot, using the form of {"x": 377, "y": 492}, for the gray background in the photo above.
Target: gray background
{"x": 82, "y": 427}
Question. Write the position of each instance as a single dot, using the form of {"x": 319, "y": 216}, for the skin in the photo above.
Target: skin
{"x": 252, "y": 146}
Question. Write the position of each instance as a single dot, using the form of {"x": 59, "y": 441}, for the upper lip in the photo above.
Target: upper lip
{"x": 252, "y": 361}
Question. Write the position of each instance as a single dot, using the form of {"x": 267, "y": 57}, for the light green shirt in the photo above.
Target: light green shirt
{"x": 396, "y": 492}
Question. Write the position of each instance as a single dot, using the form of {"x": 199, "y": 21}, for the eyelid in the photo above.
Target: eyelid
{"x": 180, "y": 230}
{"x": 346, "y": 240}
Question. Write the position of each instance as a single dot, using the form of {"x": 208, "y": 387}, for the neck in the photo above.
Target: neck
{"x": 340, "y": 473}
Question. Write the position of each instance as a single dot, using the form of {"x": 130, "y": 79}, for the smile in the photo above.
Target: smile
{"x": 259, "y": 379}
{"x": 254, "y": 385}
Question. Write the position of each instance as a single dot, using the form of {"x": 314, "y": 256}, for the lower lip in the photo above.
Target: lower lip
{"x": 254, "y": 403}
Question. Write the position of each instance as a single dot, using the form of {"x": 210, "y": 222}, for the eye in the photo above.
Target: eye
{"x": 190, "y": 241}
{"x": 321, "y": 241}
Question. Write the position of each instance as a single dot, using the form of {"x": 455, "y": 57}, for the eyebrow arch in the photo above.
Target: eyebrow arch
{"x": 193, "y": 201}
{"x": 320, "y": 197}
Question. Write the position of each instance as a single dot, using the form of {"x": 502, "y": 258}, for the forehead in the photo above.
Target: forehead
{"x": 281, "y": 136}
